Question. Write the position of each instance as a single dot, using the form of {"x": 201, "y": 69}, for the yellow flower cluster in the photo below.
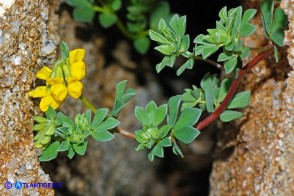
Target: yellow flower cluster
{"x": 62, "y": 80}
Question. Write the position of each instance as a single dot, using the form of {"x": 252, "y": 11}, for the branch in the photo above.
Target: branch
{"x": 233, "y": 89}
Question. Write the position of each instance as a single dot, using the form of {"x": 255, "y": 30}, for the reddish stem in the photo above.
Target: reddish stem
{"x": 233, "y": 89}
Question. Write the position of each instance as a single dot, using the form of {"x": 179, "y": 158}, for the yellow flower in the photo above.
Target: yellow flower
{"x": 53, "y": 81}
{"x": 40, "y": 91}
{"x": 78, "y": 70}
{"x": 58, "y": 92}
{"x": 48, "y": 101}
{"x": 74, "y": 89}
{"x": 44, "y": 73}
{"x": 76, "y": 55}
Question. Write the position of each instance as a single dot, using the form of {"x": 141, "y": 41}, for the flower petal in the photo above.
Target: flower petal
{"x": 75, "y": 89}
{"x": 44, "y": 73}
{"x": 40, "y": 91}
{"x": 52, "y": 81}
{"x": 78, "y": 70}
{"x": 58, "y": 92}
{"x": 46, "y": 101}
{"x": 76, "y": 55}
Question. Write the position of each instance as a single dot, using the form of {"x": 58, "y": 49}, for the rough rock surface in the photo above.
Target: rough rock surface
{"x": 24, "y": 47}
{"x": 257, "y": 158}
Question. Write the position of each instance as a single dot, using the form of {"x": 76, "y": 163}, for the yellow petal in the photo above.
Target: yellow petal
{"x": 78, "y": 70}
{"x": 76, "y": 55}
{"x": 44, "y": 73}
{"x": 74, "y": 89}
{"x": 53, "y": 81}
{"x": 40, "y": 91}
{"x": 46, "y": 101}
{"x": 58, "y": 92}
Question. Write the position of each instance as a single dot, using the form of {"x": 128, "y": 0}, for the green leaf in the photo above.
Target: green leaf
{"x": 209, "y": 50}
{"x": 71, "y": 153}
{"x": 185, "y": 43}
{"x": 225, "y": 86}
{"x": 178, "y": 25}
{"x": 50, "y": 152}
{"x": 248, "y": 15}
{"x": 79, "y": 3}
{"x": 142, "y": 115}
{"x": 157, "y": 37}
{"x": 224, "y": 57}
{"x": 278, "y": 27}
{"x": 160, "y": 114}
{"x": 247, "y": 30}
{"x": 142, "y": 45}
{"x": 64, "y": 146}
{"x": 166, "y": 61}
{"x": 108, "y": 124}
{"x": 102, "y": 136}
{"x": 208, "y": 84}
{"x": 267, "y": 9}
{"x": 230, "y": 65}
{"x": 245, "y": 52}
{"x": 173, "y": 109}
{"x": 83, "y": 14}
{"x": 229, "y": 115}
{"x": 164, "y": 130}
{"x": 187, "y": 65}
{"x": 99, "y": 117}
{"x": 80, "y": 148}
{"x": 50, "y": 113}
{"x": 177, "y": 150}
{"x": 223, "y": 14}
{"x": 116, "y": 5}
{"x": 240, "y": 100}
{"x": 107, "y": 19}
{"x": 186, "y": 134}
{"x": 166, "y": 49}
{"x": 188, "y": 117}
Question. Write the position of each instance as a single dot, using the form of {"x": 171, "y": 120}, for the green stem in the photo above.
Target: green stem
{"x": 87, "y": 103}
{"x": 120, "y": 24}
{"x": 98, "y": 8}
{"x": 215, "y": 64}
